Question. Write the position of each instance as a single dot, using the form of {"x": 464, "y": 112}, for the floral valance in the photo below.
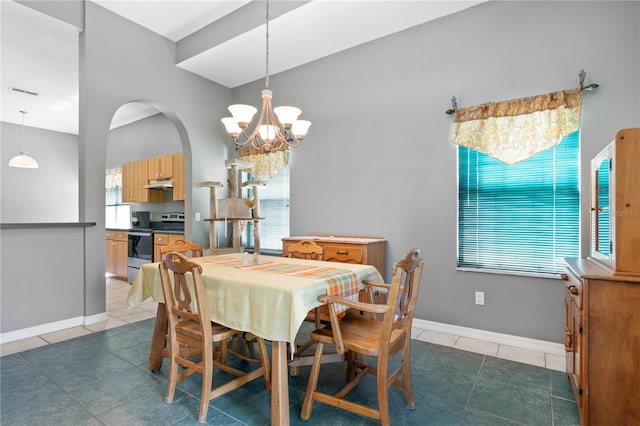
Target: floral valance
{"x": 514, "y": 130}
{"x": 265, "y": 166}
{"x": 113, "y": 178}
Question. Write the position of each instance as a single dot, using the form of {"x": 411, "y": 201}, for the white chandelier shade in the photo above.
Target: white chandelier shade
{"x": 277, "y": 128}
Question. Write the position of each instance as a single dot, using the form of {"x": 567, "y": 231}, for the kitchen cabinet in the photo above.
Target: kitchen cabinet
{"x": 602, "y": 342}
{"x": 134, "y": 177}
{"x": 117, "y": 253}
{"x": 178, "y": 176}
{"x": 160, "y": 167}
{"x": 160, "y": 240}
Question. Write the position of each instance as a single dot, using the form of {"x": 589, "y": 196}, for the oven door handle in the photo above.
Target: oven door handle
{"x": 140, "y": 234}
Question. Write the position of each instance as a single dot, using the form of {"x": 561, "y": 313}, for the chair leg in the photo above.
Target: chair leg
{"x": 383, "y": 394}
{"x": 312, "y": 383}
{"x": 173, "y": 375}
{"x": 350, "y": 358}
{"x": 406, "y": 379}
{"x": 207, "y": 382}
{"x": 266, "y": 363}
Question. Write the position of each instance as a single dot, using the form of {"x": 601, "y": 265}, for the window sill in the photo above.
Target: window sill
{"x": 505, "y": 272}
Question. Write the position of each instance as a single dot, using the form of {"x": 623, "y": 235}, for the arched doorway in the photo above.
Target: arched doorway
{"x": 142, "y": 134}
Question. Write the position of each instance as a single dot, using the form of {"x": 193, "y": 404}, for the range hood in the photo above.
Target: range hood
{"x": 165, "y": 184}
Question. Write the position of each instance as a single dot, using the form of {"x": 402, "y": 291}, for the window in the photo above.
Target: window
{"x": 274, "y": 207}
{"x": 117, "y": 215}
{"x": 522, "y": 218}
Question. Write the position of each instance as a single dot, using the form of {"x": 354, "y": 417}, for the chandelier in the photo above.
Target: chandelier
{"x": 277, "y": 128}
{"x": 23, "y": 160}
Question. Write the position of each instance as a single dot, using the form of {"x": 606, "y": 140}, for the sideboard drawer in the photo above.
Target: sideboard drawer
{"x": 347, "y": 254}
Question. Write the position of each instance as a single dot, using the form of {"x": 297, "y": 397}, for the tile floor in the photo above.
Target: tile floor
{"x": 97, "y": 375}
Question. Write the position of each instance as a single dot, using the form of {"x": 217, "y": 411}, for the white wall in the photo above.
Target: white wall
{"x": 378, "y": 161}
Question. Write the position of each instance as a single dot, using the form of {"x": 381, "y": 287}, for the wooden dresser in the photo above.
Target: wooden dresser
{"x": 347, "y": 249}
{"x": 602, "y": 342}
{"x": 602, "y": 292}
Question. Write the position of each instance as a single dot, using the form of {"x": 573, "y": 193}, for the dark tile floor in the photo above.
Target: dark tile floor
{"x": 102, "y": 379}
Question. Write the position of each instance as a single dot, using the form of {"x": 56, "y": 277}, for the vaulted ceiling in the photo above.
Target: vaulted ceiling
{"x": 223, "y": 41}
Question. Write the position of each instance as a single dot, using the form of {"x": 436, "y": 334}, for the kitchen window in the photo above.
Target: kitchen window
{"x": 522, "y": 218}
{"x": 117, "y": 215}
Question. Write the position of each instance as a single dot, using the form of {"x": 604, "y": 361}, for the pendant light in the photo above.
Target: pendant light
{"x": 23, "y": 160}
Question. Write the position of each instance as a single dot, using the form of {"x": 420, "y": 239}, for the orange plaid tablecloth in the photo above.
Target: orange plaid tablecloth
{"x": 340, "y": 282}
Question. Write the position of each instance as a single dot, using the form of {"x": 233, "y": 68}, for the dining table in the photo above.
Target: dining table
{"x": 268, "y": 297}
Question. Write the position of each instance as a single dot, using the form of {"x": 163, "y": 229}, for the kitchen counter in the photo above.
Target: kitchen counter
{"x": 157, "y": 231}
{"x": 169, "y": 231}
{"x": 36, "y": 225}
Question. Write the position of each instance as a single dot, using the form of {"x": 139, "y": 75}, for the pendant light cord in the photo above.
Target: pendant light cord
{"x": 266, "y": 26}
{"x": 24, "y": 145}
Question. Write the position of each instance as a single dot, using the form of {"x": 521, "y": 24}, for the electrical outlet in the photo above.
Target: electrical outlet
{"x": 479, "y": 297}
{"x": 197, "y": 218}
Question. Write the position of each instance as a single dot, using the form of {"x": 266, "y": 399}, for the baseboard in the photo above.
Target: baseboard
{"x": 38, "y": 330}
{"x": 490, "y": 336}
{"x": 92, "y": 319}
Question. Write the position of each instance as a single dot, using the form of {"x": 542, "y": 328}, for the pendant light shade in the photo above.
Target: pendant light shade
{"x": 23, "y": 160}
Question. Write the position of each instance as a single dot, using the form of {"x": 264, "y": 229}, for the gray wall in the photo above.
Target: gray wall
{"x": 151, "y": 137}
{"x": 121, "y": 62}
{"x": 378, "y": 161}
{"x": 46, "y": 194}
{"x": 42, "y": 277}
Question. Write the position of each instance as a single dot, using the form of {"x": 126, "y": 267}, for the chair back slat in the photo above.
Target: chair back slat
{"x": 306, "y": 249}
{"x": 182, "y": 246}
{"x": 403, "y": 295}
{"x": 184, "y": 293}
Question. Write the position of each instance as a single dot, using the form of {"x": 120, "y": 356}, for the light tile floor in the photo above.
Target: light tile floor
{"x": 120, "y": 314}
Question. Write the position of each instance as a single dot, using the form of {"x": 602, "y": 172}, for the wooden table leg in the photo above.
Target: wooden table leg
{"x": 279, "y": 384}
{"x": 158, "y": 342}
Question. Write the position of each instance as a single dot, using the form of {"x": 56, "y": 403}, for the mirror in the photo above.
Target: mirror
{"x": 603, "y": 229}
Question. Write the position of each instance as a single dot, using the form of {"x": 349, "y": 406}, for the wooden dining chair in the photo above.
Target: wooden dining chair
{"x": 358, "y": 336}
{"x": 307, "y": 249}
{"x": 182, "y": 246}
{"x": 190, "y": 325}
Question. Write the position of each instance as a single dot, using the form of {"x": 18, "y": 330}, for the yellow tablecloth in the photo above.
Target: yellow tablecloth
{"x": 266, "y": 301}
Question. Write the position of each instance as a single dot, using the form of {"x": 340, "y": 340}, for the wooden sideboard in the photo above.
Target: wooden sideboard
{"x": 347, "y": 249}
{"x": 602, "y": 342}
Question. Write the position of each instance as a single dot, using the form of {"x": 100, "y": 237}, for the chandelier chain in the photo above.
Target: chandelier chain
{"x": 266, "y": 26}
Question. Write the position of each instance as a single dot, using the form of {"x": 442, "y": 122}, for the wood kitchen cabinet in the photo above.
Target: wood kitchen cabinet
{"x": 117, "y": 253}
{"x": 160, "y": 240}
{"x": 602, "y": 342}
{"x": 178, "y": 176}
{"x": 134, "y": 177}
{"x": 160, "y": 167}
